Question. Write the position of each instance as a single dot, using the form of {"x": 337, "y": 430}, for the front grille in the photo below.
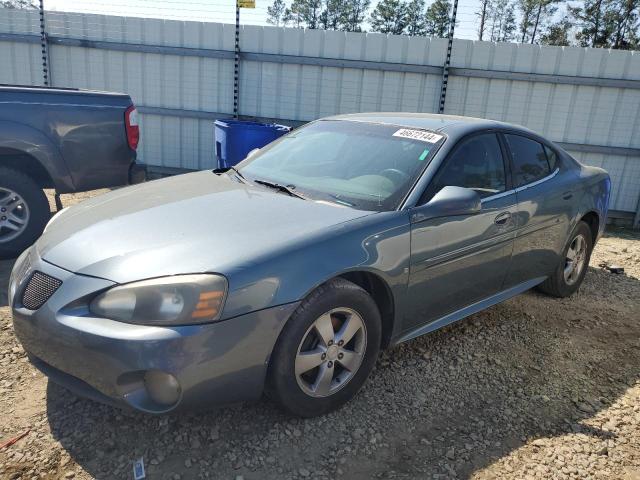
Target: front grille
{"x": 39, "y": 289}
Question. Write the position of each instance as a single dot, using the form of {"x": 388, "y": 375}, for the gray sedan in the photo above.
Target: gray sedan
{"x": 289, "y": 273}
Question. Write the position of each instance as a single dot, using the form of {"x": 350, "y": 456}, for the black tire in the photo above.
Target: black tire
{"x": 556, "y": 285}
{"x": 39, "y": 211}
{"x": 282, "y": 383}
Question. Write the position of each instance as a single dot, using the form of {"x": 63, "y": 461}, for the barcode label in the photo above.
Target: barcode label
{"x": 420, "y": 135}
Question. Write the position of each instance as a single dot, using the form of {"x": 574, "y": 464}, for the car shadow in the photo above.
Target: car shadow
{"x": 5, "y": 272}
{"x": 450, "y": 403}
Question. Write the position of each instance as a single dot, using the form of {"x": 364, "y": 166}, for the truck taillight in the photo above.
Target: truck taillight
{"x": 132, "y": 127}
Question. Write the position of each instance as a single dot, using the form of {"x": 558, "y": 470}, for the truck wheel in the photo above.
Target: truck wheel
{"x": 24, "y": 212}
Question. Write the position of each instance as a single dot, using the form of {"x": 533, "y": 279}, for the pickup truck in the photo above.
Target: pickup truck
{"x": 69, "y": 140}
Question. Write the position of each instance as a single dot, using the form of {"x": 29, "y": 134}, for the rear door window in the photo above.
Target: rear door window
{"x": 529, "y": 159}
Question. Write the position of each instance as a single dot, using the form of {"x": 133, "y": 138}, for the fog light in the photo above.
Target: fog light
{"x": 163, "y": 388}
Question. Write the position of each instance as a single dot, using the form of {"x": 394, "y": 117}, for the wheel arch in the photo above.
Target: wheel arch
{"x": 592, "y": 219}
{"x": 378, "y": 288}
{"x": 26, "y": 163}
{"x": 381, "y": 294}
{"x": 20, "y": 143}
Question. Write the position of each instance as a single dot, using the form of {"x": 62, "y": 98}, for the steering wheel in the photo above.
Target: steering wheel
{"x": 394, "y": 174}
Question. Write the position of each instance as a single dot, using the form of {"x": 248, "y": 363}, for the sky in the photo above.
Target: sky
{"x": 221, "y": 11}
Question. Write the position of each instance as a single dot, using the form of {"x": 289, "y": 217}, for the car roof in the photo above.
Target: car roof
{"x": 452, "y": 125}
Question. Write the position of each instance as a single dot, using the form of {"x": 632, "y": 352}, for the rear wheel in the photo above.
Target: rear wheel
{"x": 326, "y": 351}
{"x": 569, "y": 274}
{"x": 24, "y": 212}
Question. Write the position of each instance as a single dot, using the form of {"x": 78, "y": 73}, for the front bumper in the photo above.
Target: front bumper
{"x": 214, "y": 364}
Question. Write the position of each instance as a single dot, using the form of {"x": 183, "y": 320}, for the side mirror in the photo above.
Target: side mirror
{"x": 450, "y": 201}
{"x": 252, "y": 152}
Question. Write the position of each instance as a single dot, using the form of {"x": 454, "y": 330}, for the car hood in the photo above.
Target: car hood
{"x": 191, "y": 223}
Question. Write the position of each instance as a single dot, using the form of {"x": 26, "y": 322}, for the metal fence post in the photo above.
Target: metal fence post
{"x": 45, "y": 47}
{"x": 447, "y": 62}
{"x": 236, "y": 71}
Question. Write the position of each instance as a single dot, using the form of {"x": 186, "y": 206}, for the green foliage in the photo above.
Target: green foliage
{"x": 535, "y": 17}
{"x": 346, "y": 15}
{"x": 17, "y": 4}
{"x": 416, "y": 18}
{"x": 276, "y": 13}
{"x": 557, "y": 34}
{"x": 501, "y": 21}
{"x": 483, "y": 18}
{"x": 608, "y": 23}
{"x": 527, "y": 10}
{"x": 304, "y": 13}
{"x": 589, "y": 18}
{"x": 410, "y": 17}
{"x": 355, "y": 11}
{"x": 389, "y": 16}
{"x": 438, "y": 18}
{"x": 623, "y": 21}
{"x": 332, "y": 15}
{"x": 595, "y": 23}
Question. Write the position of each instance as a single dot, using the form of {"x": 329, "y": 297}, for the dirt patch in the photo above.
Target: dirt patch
{"x": 534, "y": 388}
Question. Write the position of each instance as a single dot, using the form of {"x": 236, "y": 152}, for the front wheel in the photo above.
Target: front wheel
{"x": 569, "y": 274}
{"x": 24, "y": 212}
{"x": 326, "y": 350}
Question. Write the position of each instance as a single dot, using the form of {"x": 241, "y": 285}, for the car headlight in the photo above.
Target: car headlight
{"x": 177, "y": 300}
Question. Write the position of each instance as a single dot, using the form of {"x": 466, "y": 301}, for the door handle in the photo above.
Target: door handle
{"x": 567, "y": 195}
{"x": 503, "y": 218}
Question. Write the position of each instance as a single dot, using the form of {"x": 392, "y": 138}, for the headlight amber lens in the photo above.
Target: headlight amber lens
{"x": 178, "y": 300}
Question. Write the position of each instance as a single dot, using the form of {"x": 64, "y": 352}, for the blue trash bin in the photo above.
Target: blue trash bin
{"x": 236, "y": 138}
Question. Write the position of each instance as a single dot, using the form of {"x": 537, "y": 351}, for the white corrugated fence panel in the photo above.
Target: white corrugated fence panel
{"x": 581, "y": 114}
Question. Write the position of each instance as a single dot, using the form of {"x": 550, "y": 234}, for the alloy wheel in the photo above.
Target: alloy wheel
{"x": 14, "y": 215}
{"x": 331, "y": 352}
{"x": 575, "y": 260}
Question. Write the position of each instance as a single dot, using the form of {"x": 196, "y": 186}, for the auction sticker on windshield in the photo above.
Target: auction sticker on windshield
{"x": 421, "y": 135}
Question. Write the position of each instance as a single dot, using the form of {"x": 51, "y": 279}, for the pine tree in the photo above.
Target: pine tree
{"x": 438, "y": 18}
{"x": 17, "y": 4}
{"x": 527, "y": 15}
{"x": 306, "y": 12}
{"x": 557, "y": 33}
{"x": 624, "y": 23}
{"x": 332, "y": 14}
{"x": 590, "y": 20}
{"x": 544, "y": 11}
{"x": 416, "y": 18}
{"x": 503, "y": 21}
{"x": 276, "y": 13}
{"x": 389, "y": 16}
{"x": 509, "y": 23}
{"x": 293, "y": 17}
{"x": 608, "y": 23}
{"x": 354, "y": 13}
{"x": 482, "y": 14}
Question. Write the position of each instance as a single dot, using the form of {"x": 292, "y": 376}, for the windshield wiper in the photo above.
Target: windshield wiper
{"x": 341, "y": 201}
{"x": 282, "y": 188}
{"x": 233, "y": 169}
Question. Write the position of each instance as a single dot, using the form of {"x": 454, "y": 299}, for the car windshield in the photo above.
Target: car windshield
{"x": 361, "y": 165}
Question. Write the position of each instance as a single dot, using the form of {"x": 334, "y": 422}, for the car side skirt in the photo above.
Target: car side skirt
{"x": 469, "y": 310}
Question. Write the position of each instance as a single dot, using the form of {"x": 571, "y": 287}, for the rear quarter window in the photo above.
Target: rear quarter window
{"x": 552, "y": 158}
{"x": 529, "y": 159}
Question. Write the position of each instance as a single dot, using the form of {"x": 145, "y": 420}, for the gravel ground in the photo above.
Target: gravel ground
{"x": 534, "y": 388}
